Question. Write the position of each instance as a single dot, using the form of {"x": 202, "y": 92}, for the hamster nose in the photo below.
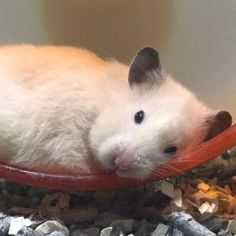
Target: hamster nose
{"x": 122, "y": 163}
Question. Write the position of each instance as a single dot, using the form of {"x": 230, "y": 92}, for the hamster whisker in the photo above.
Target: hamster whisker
{"x": 159, "y": 172}
{"x": 176, "y": 169}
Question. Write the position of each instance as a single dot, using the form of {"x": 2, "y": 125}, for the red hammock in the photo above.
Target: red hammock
{"x": 106, "y": 180}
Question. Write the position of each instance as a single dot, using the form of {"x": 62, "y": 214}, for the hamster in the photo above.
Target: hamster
{"x": 65, "y": 110}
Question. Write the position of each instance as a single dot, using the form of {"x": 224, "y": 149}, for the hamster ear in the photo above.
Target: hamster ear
{"x": 217, "y": 123}
{"x": 146, "y": 60}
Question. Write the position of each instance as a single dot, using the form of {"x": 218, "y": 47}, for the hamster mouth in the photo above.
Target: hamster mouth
{"x": 129, "y": 169}
{"x": 132, "y": 170}
{"x": 133, "y": 173}
{"x": 125, "y": 162}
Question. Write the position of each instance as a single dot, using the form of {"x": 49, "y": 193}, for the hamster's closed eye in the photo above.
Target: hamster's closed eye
{"x": 171, "y": 150}
{"x": 138, "y": 117}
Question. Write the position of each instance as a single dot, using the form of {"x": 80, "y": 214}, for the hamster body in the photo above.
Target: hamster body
{"x": 64, "y": 109}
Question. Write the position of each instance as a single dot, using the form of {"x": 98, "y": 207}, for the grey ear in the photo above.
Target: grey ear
{"x": 217, "y": 123}
{"x": 146, "y": 60}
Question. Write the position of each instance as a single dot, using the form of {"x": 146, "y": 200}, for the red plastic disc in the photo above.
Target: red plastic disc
{"x": 189, "y": 159}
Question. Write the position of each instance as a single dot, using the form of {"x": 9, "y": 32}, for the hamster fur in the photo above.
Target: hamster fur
{"x": 64, "y": 109}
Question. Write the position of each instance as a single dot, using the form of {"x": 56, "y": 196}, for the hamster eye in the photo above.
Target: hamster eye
{"x": 138, "y": 117}
{"x": 171, "y": 150}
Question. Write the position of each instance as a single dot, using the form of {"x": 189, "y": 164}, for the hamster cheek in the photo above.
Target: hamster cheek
{"x": 161, "y": 160}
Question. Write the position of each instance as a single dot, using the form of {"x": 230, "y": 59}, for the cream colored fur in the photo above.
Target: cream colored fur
{"x": 63, "y": 107}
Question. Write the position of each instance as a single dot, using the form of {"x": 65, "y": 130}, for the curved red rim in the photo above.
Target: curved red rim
{"x": 193, "y": 157}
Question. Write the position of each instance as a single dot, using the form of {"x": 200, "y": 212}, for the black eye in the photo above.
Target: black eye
{"x": 138, "y": 117}
{"x": 170, "y": 150}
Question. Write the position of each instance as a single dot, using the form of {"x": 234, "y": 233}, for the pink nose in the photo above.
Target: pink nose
{"x": 122, "y": 163}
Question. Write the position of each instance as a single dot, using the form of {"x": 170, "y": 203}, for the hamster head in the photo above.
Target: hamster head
{"x": 156, "y": 119}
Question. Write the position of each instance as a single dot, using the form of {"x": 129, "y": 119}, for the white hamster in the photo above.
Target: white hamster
{"x": 64, "y": 109}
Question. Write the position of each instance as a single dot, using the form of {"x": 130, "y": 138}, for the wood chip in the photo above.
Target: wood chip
{"x": 232, "y": 226}
{"x": 167, "y": 189}
{"x": 204, "y": 207}
{"x": 160, "y": 230}
{"x": 49, "y": 198}
{"x": 213, "y": 208}
{"x": 16, "y": 225}
{"x": 79, "y": 215}
{"x": 22, "y": 211}
{"x": 233, "y": 181}
{"x": 177, "y": 198}
{"x": 106, "y": 231}
{"x": 203, "y": 186}
{"x": 63, "y": 200}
